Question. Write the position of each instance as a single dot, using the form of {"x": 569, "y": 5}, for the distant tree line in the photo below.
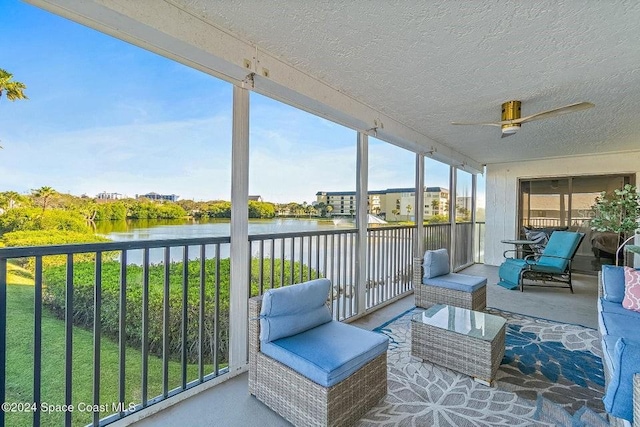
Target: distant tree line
{"x": 222, "y": 209}
{"x": 69, "y": 218}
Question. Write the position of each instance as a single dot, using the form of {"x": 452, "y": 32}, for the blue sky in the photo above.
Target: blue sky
{"x": 104, "y": 115}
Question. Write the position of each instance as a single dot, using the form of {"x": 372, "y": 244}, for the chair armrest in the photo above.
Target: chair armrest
{"x": 504, "y": 254}
{"x": 532, "y": 259}
{"x": 555, "y": 256}
{"x": 255, "y": 305}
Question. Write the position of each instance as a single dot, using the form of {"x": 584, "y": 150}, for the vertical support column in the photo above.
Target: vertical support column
{"x": 452, "y": 216}
{"x": 362, "y": 199}
{"x": 418, "y": 241}
{"x": 474, "y": 205}
{"x": 239, "y": 280}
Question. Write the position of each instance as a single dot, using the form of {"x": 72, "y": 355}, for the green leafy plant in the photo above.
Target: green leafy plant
{"x": 55, "y": 279}
{"x": 617, "y": 212}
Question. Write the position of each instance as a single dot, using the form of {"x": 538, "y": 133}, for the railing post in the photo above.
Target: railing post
{"x": 362, "y": 197}
{"x": 239, "y": 280}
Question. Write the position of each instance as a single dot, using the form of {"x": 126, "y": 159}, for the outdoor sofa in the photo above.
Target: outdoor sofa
{"x": 620, "y": 331}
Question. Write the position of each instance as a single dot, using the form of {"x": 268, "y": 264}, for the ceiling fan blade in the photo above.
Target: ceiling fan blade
{"x": 504, "y": 135}
{"x": 474, "y": 124}
{"x": 555, "y": 112}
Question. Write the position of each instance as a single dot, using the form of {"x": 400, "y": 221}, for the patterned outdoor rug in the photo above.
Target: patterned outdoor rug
{"x": 551, "y": 375}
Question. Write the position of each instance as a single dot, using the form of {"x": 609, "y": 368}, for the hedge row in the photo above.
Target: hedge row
{"x": 50, "y": 237}
{"x": 54, "y": 279}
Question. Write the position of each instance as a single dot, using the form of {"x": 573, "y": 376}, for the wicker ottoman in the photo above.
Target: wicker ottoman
{"x": 463, "y": 340}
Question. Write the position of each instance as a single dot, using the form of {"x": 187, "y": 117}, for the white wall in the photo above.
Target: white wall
{"x": 502, "y": 182}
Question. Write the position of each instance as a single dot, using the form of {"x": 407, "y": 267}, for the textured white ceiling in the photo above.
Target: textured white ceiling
{"x": 427, "y": 63}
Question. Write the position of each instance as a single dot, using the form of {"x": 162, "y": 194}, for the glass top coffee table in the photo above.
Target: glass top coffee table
{"x": 466, "y": 341}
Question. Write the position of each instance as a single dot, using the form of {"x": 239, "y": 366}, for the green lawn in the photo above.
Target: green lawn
{"x": 20, "y": 309}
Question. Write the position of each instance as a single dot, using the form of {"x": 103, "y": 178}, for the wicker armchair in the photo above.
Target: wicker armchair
{"x": 304, "y": 402}
{"x": 427, "y": 295}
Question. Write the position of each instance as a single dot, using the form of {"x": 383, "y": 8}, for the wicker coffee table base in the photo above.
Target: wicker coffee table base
{"x": 471, "y": 356}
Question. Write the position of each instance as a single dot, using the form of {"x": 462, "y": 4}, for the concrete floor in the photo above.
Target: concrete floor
{"x": 229, "y": 404}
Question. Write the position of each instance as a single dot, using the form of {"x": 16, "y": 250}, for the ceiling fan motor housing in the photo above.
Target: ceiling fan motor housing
{"x": 510, "y": 111}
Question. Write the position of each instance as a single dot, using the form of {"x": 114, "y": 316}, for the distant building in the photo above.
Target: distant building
{"x": 341, "y": 202}
{"x": 395, "y": 204}
{"x": 158, "y": 197}
{"x": 109, "y": 196}
{"x": 255, "y": 198}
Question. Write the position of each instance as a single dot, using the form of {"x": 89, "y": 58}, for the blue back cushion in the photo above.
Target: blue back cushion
{"x": 562, "y": 244}
{"x": 613, "y": 283}
{"x": 436, "y": 263}
{"x": 293, "y": 309}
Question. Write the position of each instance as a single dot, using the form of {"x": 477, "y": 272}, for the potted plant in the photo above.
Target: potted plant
{"x": 618, "y": 212}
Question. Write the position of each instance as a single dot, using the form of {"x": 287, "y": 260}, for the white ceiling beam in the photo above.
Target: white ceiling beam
{"x": 165, "y": 28}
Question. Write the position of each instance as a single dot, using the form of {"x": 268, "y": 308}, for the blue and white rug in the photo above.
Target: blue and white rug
{"x": 551, "y": 375}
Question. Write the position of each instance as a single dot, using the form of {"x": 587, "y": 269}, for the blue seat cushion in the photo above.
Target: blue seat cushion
{"x": 435, "y": 263}
{"x": 329, "y": 353}
{"x": 613, "y": 283}
{"x": 457, "y": 282}
{"x": 618, "y": 398}
{"x": 617, "y": 308}
{"x": 620, "y": 324}
{"x": 293, "y": 309}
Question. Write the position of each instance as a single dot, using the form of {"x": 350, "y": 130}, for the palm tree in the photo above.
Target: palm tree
{"x": 14, "y": 90}
{"x": 10, "y": 199}
{"x": 44, "y": 193}
{"x": 329, "y": 209}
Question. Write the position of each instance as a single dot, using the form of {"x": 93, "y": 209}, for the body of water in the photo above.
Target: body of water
{"x": 184, "y": 228}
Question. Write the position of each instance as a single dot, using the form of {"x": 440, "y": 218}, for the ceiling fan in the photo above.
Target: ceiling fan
{"x": 511, "y": 120}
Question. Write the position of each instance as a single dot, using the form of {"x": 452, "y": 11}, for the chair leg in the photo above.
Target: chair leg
{"x": 570, "y": 284}
{"x": 521, "y": 280}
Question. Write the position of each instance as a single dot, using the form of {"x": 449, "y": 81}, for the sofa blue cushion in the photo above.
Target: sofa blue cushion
{"x": 617, "y": 308}
{"x": 435, "y": 263}
{"x": 618, "y": 398}
{"x": 293, "y": 309}
{"x": 613, "y": 283}
{"x": 329, "y": 353}
{"x": 620, "y": 325}
{"x": 457, "y": 281}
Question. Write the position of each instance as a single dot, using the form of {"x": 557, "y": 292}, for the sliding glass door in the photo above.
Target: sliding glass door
{"x": 564, "y": 203}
